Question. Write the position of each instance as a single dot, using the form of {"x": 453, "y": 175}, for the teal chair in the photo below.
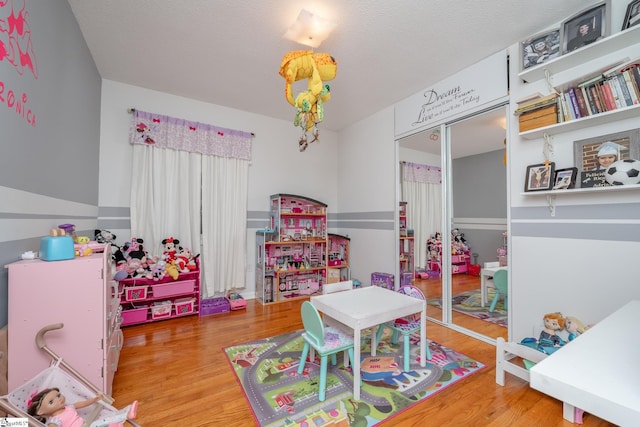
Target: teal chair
{"x": 325, "y": 340}
{"x": 405, "y": 326}
{"x": 500, "y": 283}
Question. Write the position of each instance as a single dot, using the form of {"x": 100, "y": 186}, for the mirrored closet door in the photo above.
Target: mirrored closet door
{"x": 466, "y": 213}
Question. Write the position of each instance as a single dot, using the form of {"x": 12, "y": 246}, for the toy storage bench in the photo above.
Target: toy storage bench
{"x": 147, "y": 300}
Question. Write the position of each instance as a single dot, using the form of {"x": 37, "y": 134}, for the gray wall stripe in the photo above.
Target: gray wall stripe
{"x": 42, "y": 216}
{"x": 114, "y": 224}
{"x": 613, "y": 232}
{"x": 114, "y": 211}
{"x": 608, "y": 211}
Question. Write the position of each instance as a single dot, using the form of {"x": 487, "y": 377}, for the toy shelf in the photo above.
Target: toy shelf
{"x": 146, "y": 300}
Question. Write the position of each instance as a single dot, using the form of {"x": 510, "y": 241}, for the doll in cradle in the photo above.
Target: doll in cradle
{"x": 49, "y": 407}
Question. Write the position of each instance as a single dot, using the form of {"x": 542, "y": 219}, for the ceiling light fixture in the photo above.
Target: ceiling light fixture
{"x": 309, "y": 29}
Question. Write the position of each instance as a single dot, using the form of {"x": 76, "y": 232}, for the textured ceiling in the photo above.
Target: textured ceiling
{"x": 228, "y": 52}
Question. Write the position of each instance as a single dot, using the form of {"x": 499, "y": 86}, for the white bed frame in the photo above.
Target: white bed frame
{"x": 506, "y": 351}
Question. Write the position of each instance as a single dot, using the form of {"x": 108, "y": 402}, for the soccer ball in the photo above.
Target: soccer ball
{"x": 623, "y": 172}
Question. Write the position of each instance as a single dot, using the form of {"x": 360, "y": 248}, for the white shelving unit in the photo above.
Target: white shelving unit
{"x": 574, "y": 67}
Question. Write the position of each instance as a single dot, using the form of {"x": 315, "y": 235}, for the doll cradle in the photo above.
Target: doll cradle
{"x": 71, "y": 383}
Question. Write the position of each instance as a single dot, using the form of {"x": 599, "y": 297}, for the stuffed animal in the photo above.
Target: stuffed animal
{"x": 575, "y": 327}
{"x": 185, "y": 261}
{"x": 317, "y": 68}
{"x": 171, "y": 270}
{"x": 304, "y": 64}
{"x": 105, "y": 236}
{"x": 170, "y": 246}
{"x": 158, "y": 271}
{"x": 81, "y": 247}
{"x": 553, "y": 323}
{"x": 135, "y": 250}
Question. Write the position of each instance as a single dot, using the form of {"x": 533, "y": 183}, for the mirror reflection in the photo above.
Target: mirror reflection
{"x": 476, "y": 222}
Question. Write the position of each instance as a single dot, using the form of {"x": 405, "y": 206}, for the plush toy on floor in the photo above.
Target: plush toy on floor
{"x": 49, "y": 407}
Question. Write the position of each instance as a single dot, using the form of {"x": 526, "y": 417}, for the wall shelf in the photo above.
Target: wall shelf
{"x": 578, "y": 57}
{"x": 582, "y": 190}
{"x": 584, "y": 122}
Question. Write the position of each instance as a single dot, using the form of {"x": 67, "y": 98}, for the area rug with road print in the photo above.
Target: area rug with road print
{"x": 470, "y": 303}
{"x": 267, "y": 372}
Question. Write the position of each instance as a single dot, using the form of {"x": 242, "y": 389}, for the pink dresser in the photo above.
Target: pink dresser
{"x": 79, "y": 293}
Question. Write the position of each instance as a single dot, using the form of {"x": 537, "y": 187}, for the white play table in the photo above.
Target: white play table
{"x": 598, "y": 371}
{"x": 366, "y": 308}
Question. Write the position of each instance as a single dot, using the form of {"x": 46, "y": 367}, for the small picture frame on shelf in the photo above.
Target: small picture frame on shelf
{"x": 565, "y": 179}
{"x": 539, "y": 177}
{"x": 632, "y": 17}
{"x": 592, "y": 156}
{"x": 540, "y": 48}
{"x": 585, "y": 27}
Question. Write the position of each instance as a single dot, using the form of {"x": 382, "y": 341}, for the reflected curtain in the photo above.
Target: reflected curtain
{"x": 422, "y": 190}
{"x": 190, "y": 182}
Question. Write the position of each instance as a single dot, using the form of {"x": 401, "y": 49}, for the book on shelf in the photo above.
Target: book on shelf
{"x": 582, "y": 103}
{"x": 587, "y": 101}
{"x": 536, "y": 103}
{"x": 633, "y": 89}
{"x": 623, "y": 91}
{"x": 574, "y": 103}
{"x": 609, "y": 96}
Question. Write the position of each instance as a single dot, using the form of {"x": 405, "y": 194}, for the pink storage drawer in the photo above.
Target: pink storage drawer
{"x": 173, "y": 288}
{"x": 460, "y": 268}
{"x": 184, "y": 306}
{"x": 135, "y": 293}
{"x": 458, "y": 258}
{"x": 161, "y": 310}
{"x": 134, "y": 314}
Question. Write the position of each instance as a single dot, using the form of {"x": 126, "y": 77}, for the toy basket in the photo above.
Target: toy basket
{"x": 214, "y": 306}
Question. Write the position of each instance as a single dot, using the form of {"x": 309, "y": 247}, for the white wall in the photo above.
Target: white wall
{"x": 277, "y": 166}
{"x": 366, "y": 192}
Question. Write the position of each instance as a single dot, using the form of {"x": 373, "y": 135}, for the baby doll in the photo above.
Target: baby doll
{"x": 575, "y": 327}
{"x": 48, "y": 407}
{"x": 553, "y": 322}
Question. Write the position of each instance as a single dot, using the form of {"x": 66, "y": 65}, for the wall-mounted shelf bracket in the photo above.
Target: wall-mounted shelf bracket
{"x": 551, "y": 201}
{"x": 547, "y": 148}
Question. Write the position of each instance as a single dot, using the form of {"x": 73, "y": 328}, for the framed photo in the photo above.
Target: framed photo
{"x": 593, "y": 156}
{"x": 633, "y": 15}
{"x": 586, "y": 27}
{"x": 539, "y": 177}
{"x": 565, "y": 178}
{"x": 540, "y": 48}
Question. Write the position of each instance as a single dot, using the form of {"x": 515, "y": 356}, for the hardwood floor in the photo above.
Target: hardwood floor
{"x": 178, "y": 372}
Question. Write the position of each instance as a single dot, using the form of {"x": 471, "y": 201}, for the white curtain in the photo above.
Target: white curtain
{"x": 421, "y": 189}
{"x": 224, "y": 222}
{"x": 190, "y": 182}
{"x": 165, "y": 197}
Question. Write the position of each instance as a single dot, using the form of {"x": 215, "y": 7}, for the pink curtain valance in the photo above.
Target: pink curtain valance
{"x": 425, "y": 174}
{"x": 178, "y": 134}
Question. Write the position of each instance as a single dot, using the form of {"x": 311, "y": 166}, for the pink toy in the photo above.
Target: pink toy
{"x": 236, "y": 302}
